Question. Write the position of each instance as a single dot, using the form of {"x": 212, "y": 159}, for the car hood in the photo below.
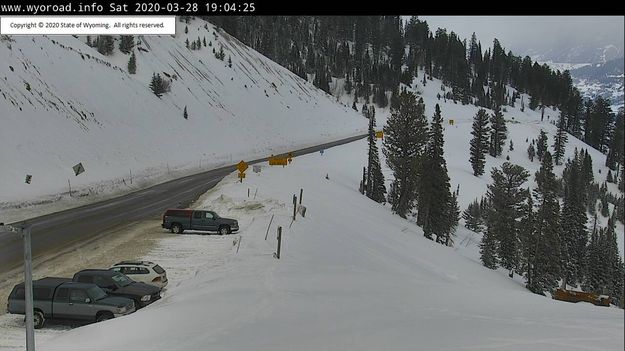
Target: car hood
{"x": 116, "y": 301}
{"x": 138, "y": 289}
{"x": 228, "y": 220}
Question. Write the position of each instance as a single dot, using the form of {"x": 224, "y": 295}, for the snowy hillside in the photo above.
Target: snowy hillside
{"x": 352, "y": 276}
{"x": 521, "y": 126}
{"x": 62, "y": 103}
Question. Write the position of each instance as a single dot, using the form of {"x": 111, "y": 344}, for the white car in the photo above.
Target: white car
{"x": 142, "y": 271}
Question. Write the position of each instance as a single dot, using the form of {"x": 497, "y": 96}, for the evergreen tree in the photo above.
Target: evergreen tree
{"x": 405, "y": 136}
{"x": 541, "y": 145}
{"x": 600, "y": 124}
{"x": 488, "y": 250}
{"x": 185, "y": 114}
{"x": 132, "y": 64}
{"x": 473, "y": 217}
{"x": 452, "y": 216}
{"x": 605, "y": 207}
{"x": 560, "y": 139}
{"x": 506, "y": 196}
{"x": 434, "y": 189}
{"x": 106, "y": 44}
{"x": 126, "y": 43}
{"x": 594, "y": 277}
{"x": 527, "y": 239}
{"x": 531, "y": 152}
{"x": 615, "y": 153}
{"x": 376, "y": 190}
{"x": 158, "y": 85}
{"x": 479, "y": 142}
{"x": 612, "y": 262}
{"x": 498, "y": 132}
{"x": 545, "y": 267}
{"x": 574, "y": 219}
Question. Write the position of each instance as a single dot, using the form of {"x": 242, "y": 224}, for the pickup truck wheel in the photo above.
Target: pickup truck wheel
{"x": 224, "y": 229}
{"x": 38, "y": 319}
{"x": 102, "y": 316}
{"x": 177, "y": 228}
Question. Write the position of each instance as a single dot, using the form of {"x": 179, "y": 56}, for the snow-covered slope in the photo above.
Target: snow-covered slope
{"x": 62, "y": 103}
{"x": 523, "y": 126}
{"x": 352, "y": 276}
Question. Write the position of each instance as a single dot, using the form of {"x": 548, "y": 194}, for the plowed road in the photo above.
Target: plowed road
{"x": 59, "y": 231}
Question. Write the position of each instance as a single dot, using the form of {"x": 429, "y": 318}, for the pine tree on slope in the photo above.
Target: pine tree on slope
{"x": 527, "y": 239}
{"x": 506, "y": 196}
{"x": 531, "y": 152}
{"x": 472, "y": 216}
{"x": 126, "y": 43}
{"x": 617, "y": 142}
{"x": 132, "y": 64}
{"x": 574, "y": 219}
{"x": 560, "y": 139}
{"x": 541, "y": 145}
{"x": 405, "y": 136}
{"x": 545, "y": 268}
{"x": 434, "y": 189}
{"x": 376, "y": 190}
{"x": 498, "y": 133}
{"x": 479, "y": 142}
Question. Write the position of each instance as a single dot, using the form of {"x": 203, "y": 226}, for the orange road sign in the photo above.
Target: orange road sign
{"x": 379, "y": 134}
{"x": 242, "y": 166}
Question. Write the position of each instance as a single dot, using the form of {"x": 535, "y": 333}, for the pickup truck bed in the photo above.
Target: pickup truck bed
{"x": 60, "y": 298}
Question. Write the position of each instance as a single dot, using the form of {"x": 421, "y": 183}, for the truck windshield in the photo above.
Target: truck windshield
{"x": 121, "y": 280}
{"x": 96, "y": 293}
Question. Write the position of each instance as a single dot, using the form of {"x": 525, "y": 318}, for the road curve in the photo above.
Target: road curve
{"x": 58, "y": 231}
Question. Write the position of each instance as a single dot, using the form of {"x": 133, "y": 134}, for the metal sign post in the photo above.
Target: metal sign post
{"x": 28, "y": 284}
{"x": 24, "y": 231}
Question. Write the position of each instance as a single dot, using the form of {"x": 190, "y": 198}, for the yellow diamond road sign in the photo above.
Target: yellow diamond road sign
{"x": 242, "y": 166}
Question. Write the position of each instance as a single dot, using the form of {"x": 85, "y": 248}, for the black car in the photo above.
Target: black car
{"x": 118, "y": 284}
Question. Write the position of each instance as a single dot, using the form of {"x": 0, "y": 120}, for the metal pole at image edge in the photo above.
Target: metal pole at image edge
{"x": 28, "y": 287}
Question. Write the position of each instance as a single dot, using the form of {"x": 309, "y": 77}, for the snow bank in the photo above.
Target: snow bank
{"x": 351, "y": 276}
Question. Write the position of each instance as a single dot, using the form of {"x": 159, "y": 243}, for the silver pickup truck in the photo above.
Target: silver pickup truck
{"x": 60, "y": 298}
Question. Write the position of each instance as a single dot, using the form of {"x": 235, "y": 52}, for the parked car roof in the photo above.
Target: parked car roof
{"x": 138, "y": 263}
{"x": 99, "y": 271}
{"x": 52, "y": 281}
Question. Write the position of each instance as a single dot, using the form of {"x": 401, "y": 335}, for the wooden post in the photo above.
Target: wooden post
{"x": 269, "y": 227}
{"x": 294, "y": 206}
{"x": 279, "y": 242}
{"x": 256, "y": 192}
{"x": 131, "y": 176}
{"x": 301, "y": 193}
{"x": 364, "y": 180}
{"x": 248, "y": 192}
{"x": 239, "y": 243}
{"x": 70, "y": 188}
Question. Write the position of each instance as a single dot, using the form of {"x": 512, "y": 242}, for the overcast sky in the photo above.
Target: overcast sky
{"x": 521, "y": 33}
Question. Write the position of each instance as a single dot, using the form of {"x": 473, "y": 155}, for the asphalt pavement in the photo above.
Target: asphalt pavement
{"x": 58, "y": 231}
